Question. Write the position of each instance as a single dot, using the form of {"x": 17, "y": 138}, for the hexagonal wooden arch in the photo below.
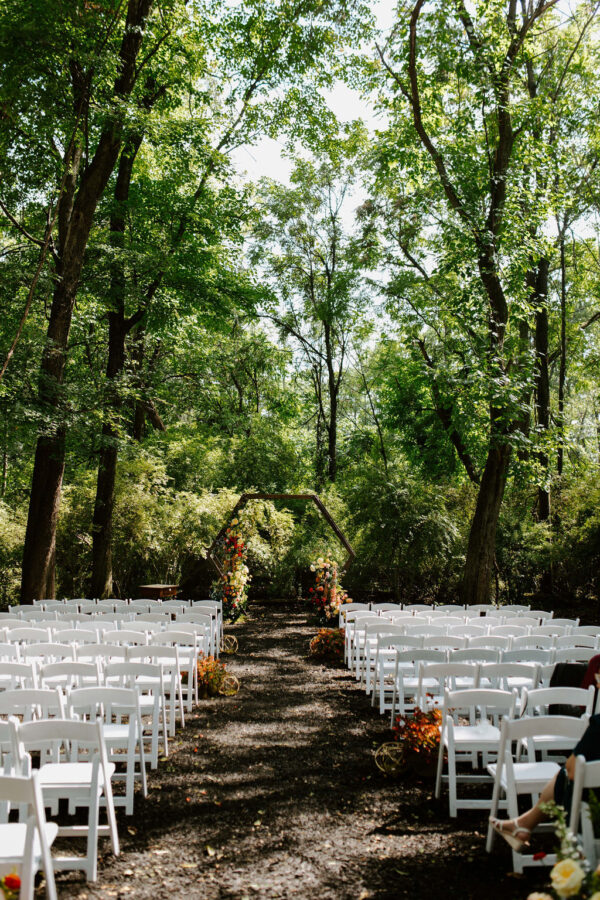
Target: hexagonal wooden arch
{"x": 313, "y": 497}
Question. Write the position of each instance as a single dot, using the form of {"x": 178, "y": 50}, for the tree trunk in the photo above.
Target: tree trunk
{"x": 562, "y": 374}
{"x": 118, "y": 328}
{"x": 44, "y": 501}
{"x": 77, "y": 207}
{"x": 332, "y": 439}
{"x": 479, "y": 564}
{"x": 542, "y": 381}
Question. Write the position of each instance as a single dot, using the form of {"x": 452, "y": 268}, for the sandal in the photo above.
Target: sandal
{"x": 509, "y": 829}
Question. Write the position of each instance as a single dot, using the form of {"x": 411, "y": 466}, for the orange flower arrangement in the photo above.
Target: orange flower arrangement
{"x": 419, "y": 734}
{"x": 328, "y": 644}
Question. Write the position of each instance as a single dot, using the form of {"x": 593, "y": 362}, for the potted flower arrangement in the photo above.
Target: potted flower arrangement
{"x": 211, "y": 675}
{"x": 328, "y": 645}
{"x": 419, "y": 736}
{"x": 327, "y": 595}
{"x": 231, "y": 588}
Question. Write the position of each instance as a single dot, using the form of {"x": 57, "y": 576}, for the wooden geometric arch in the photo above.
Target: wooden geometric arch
{"x": 312, "y": 497}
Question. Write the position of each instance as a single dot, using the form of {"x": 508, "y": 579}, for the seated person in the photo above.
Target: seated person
{"x": 517, "y": 832}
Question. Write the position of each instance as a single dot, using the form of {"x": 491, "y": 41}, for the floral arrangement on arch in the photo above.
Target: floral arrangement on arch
{"x": 327, "y": 595}
{"x": 328, "y": 645}
{"x": 572, "y": 874}
{"x": 231, "y": 588}
{"x": 10, "y": 886}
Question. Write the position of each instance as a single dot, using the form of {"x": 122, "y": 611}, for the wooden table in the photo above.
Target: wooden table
{"x": 158, "y": 591}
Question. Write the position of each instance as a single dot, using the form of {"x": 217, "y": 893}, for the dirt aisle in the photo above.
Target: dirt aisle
{"x": 274, "y": 794}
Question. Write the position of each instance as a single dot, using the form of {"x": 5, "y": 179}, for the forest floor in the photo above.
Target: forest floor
{"x": 273, "y": 793}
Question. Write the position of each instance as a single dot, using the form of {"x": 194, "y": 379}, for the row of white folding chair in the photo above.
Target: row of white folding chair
{"x": 149, "y": 678}
{"x": 363, "y": 645}
{"x": 364, "y": 642}
{"x": 512, "y": 628}
{"x": 386, "y": 669}
{"x": 418, "y": 680}
{"x": 208, "y": 615}
{"x": 168, "y": 655}
{"x": 114, "y": 704}
{"x": 449, "y": 607}
{"x": 402, "y": 672}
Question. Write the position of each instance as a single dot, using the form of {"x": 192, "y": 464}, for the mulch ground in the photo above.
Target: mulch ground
{"x": 273, "y": 793}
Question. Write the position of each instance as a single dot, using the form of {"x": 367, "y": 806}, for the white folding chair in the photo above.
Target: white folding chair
{"x": 436, "y": 678}
{"x": 354, "y": 632}
{"x": 591, "y": 630}
{"x": 47, "y": 652}
{"x": 533, "y": 642}
{"x": 574, "y": 654}
{"x": 474, "y": 654}
{"x": 149, "y": 681}
{"x": 368, "y": 646}
{"x": 189, "y": 650}
{"x": 125, "y": 636}
{"x": 119, "y": 710}
{"x": 70, "y": 674}
{"x": 200, "y": 618}
{"x": 143, "y": 606}
{"x": 33, "y": 703}
{"x": 576, "y": 640}
{"x": 28, "y": 634}
{"x": 506, "y": 676}
{"x": 15, "y": 675}
{"x": 406, "y": 677}
{"x": 444, "y": 642}
{"x": 466, "y": 742}
{"x": 492, "y": 642}
{"x": 529, "y": 655}
{"x": 80, "y": 773}
{"x": 543, "y": 615}
{"x": 385, "y": 607}
{"x": 378, "y": 655}
{"x": 9, "y": 652}
{"x": 168, "y": 658}
{"x": 511, "y": 631}
{"x": 345, "y": 608}
{"x": 468, "y": 631}
{"x": 25, "y": 846}
{"x": 105, "y": 652}
{"x": 587, "y": 776}
{"x": 215, "y": 608}
{"x": 514, "y": 778}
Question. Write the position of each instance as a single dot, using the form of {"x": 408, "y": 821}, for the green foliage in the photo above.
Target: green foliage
{"x": 12, "y": 534}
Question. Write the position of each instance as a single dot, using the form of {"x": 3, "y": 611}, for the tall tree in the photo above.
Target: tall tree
{"x": 314, "y": 270}
{"x": 466, "y": 119}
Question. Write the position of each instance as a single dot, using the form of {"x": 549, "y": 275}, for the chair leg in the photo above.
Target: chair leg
{"x": 452, "y": 786}
{"x": 91, "y": 869}
{"x": 440, "y": 768}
